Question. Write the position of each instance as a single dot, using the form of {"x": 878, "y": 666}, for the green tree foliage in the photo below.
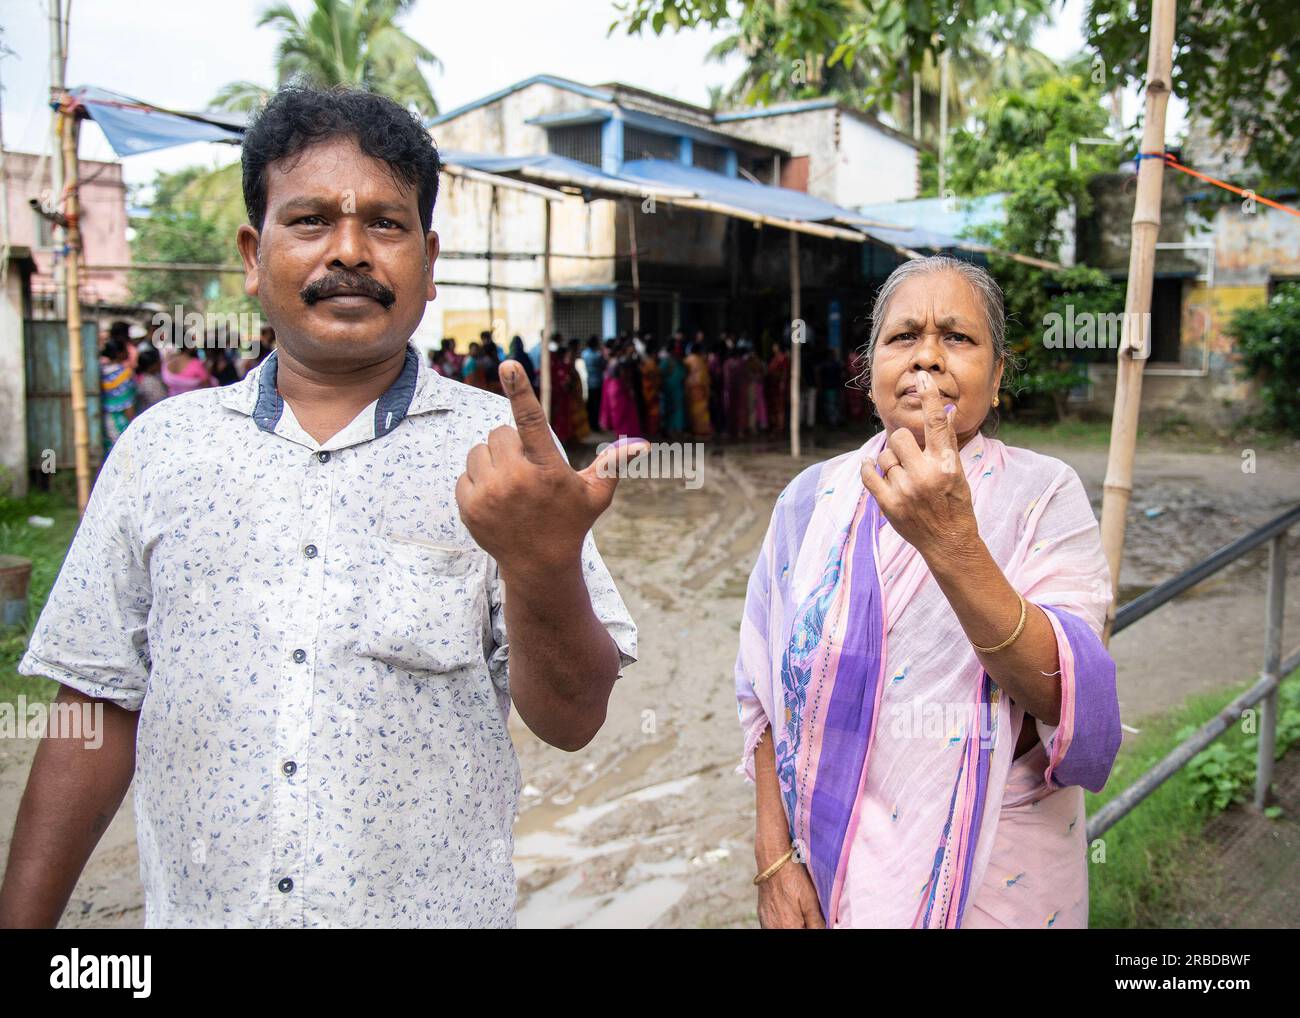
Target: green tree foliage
{"x": 343, "y": 42}
{"x": 192, "y": 218}
{"x": 1268, "y": 341}
{"x": 1020, "y": 145}
{"x": 1236, "y": 62}
{"x": 864, "y": 52}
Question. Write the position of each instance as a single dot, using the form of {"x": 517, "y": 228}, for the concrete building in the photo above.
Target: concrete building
{"x": 103, "y": 226}
{"x": 1217, "y": 252}
{"x": 35, "y": 399}
{"x": 696, "y": 269}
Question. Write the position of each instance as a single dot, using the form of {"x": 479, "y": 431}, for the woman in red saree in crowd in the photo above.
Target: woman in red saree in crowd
{"x": 735, "y": 393}
{"x": 561, "y": 394}
{"x": 923, "y": 690}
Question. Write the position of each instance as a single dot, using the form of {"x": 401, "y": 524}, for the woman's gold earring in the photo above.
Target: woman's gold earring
{"x": 995, "y": 399}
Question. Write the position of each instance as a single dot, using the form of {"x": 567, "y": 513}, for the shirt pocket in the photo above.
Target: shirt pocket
{"x": 426, "y": 609}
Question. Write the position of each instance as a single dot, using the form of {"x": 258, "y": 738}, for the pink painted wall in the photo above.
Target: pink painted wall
{"x": 103, "y": 223}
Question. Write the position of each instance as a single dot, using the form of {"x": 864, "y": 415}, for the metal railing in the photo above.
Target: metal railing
{"x": 1263, "y": 692}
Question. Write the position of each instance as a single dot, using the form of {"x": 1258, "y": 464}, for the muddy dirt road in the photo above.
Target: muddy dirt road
{"x": 649, "y": 826}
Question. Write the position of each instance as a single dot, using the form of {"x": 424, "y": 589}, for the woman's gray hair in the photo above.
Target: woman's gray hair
{"x": 985, "y": 286}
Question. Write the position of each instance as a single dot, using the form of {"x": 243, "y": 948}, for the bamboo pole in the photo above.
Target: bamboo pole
{"x": 1134, "y": 349}
{"x": 71, "y": 131}
{"x": 796, "y": 342}
{"x": 548, "y": 315}
{"x": 491, "y": 229}
{"x": 943, "y": 123}
{"x": 797, "y": 225}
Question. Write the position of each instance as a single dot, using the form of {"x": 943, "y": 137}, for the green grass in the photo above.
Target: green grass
{"x": 1153, "y": 852}
{"x": 46, "y": 548}
{"x": 1076, "y": 434}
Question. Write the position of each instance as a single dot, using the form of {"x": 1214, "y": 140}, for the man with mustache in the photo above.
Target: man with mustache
{"x": 308, "y": 600}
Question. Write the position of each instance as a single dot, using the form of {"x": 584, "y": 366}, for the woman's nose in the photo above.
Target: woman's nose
{"x": 928, "y": 354}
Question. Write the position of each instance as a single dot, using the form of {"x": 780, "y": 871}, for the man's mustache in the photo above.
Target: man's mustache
{"x": 347, "y": 282}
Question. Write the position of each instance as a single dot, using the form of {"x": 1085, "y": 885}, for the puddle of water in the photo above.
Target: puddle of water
{"x": 560, "y": 841}
{"x": 657, "y": 888}
{"x": 546, "y": 815}
{"x": 554, "y": 835}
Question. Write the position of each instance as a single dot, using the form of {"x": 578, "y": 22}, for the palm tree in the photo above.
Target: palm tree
{"x": 785, "y": 59}
{"x": 355, "y": 43}
{"x": 975, "y": 74}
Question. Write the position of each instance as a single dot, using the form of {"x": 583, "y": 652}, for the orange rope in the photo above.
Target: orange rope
{"x": 1170, "y": 161}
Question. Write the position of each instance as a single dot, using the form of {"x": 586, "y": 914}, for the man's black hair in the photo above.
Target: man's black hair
{"x": 298, "y": 117}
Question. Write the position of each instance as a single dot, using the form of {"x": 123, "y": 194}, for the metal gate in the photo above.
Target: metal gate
{"x": 49, "y": 395}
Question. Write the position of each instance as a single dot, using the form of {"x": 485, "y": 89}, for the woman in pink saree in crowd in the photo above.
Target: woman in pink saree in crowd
{"x": 922, "y": 687}
{"x": 182, "y": 371}
{"x": 617, "y": 401}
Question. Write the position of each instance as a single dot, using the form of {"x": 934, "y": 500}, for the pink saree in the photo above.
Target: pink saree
{"x": 894, "y": 749}
{"x": 617, "y": 405}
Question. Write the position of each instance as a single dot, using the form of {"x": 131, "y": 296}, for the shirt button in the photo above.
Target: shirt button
{"x": 310, "y": 551}
{"x": 289, "y": 767}
{"x": 300, "y": 655}
{"x": 323, "y": 456}
{"x": 285, "y": 885}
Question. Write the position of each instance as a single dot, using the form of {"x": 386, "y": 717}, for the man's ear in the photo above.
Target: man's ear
{"x": 431, "y": 248}
{"x": 248, "y": 241}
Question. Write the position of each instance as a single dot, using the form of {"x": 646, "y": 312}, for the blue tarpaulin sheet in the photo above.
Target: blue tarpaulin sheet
{"x": 132, "y": 126}
{"x": 762, "y": 199}
{"x": 556, "y": 171}
{"x": 778, "y": 202}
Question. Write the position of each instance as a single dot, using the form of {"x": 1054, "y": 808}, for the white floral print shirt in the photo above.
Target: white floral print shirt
{"x": 318, "y": 653}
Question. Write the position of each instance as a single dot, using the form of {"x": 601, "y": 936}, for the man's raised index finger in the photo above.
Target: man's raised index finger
{"x": 530, "y": 421}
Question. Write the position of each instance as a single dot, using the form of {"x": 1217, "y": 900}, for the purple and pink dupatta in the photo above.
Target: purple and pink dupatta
{"x": 812, "y": 660}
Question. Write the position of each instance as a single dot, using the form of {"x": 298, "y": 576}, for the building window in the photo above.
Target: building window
{"x": 580, "y": 142}
{"x": 709, "y": 157}
{"x": 44, "y": 231}
{"x": 1166, "y": 321}
{"x": 764, "y": 169}
{"x": 639, "y": 144}
{"x": 578, "y": 317}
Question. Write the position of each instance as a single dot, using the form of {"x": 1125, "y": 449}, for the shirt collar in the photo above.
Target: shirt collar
{"x": 416, "y": 390}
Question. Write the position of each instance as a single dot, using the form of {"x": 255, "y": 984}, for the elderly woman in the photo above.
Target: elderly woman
{"x": 922, "y": 688}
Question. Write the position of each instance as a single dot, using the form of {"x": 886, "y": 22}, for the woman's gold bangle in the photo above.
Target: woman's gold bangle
{"x": 775, "y": 866}
{"x": 1024, "y": 614}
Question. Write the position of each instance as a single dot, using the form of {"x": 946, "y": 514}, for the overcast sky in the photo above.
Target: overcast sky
{"x": 180, "y": 52}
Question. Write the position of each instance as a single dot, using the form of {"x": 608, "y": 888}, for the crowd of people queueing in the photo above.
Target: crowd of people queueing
{"x": 632, "y": 385}
{"x": 134, "y": 374}
{"x": 638, "y": 387}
